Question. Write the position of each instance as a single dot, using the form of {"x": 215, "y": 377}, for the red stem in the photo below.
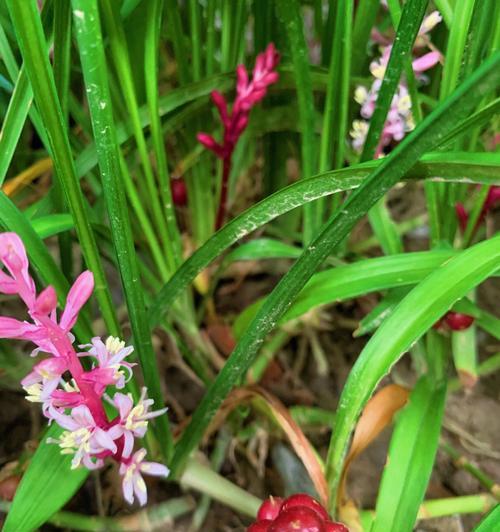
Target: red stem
{"x": 221, "y": 212}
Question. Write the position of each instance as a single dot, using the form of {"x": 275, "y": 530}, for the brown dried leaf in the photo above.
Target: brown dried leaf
{"x": 282, "y": 417}
{"x": 377, "y": 414}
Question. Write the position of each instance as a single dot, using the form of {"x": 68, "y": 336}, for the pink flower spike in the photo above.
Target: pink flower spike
{"x": 46, "y": 371}
{"x": 133, "y": 483}
{"x": 62, "y": 399}
{"x": 426, "y": 61}
{"x": 241, "y": 80}
{"x": 46, "y": 302}
{"x": 110, "y": 357}
{"x": 13, "y": 255}
{"x": 221, "y": 104}
{"x": 133, "y": 420}
{"x": 209, "y": 142}
{"x": 7, "y": 284}
{"x": 77, "y": 297}
{"x": 82, "y": 436}
{"x": 12, "y": 328}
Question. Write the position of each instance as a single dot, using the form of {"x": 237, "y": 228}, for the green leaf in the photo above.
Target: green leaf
{"x": 484, "y": 168}
{"x": 418, "y": 311}
{"x": 491, "y": 522}
{"x": 366, "y": 13}
{"x": 154, "y": 21}
{"x": 410, "y": 460}
{"x": 51, "y": 225}
{"x": 31, "y": 40}
{"x": 121, "y": 60}
{"x": 425, "y": 137}
{"x": 47, "y": 485}
{"x": 263, "y": 248}
{"x": 288, "y": 11}
{"x": 13, "y": 123}
{"x": 380, "y": 312}
{"x": 344, "y": 282}
{"x": 90, "y": 42}
{"x": 411, "y": 19}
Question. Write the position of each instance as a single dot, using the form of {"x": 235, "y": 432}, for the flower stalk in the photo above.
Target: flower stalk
{"x": 248, "y": 93}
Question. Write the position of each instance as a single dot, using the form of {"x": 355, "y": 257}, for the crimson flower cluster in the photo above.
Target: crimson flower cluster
{"x": 69, "y": 394}
{"x": 298, "y": 513}
{"x": 248, "y": 93}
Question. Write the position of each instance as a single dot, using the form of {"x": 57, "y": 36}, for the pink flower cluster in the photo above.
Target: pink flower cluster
{"x": 69, "y": 394}
{"x": 248, "y": 93}
{"x": 399, "y": 119}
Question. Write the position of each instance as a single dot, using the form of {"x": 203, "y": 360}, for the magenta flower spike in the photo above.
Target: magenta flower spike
{"x": 248, "y": 94}
{"x": 70, "y": 395}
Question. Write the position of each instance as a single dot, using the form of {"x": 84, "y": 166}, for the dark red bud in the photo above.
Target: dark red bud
{"x": 302, "y": 499}
{"x": 179, "y": 192}
{"x": 270, "y": 508}
{"x": 297, "y": 519}
{"x": 457, "y": 321}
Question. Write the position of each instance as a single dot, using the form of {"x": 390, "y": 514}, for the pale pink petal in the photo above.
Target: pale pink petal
{"x": 82, "y": 415}
{"x": 128, "y": 489}
{"x": 426, "y": 61}
{"x": 77, "y": 297}
{"x": 123, "y": 403}
{"x": 140, "y": 489}
{"x": 128, "y": 443}
{"x": 65, "y": 421}
{"x": 104, "y": 440}
{"x": 154, "y": 468}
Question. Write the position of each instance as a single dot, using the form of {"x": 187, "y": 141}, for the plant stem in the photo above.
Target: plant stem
{"x": 462, "y": 462}
{"x": 203, "y": 479}
{"x": 469, "y": 504}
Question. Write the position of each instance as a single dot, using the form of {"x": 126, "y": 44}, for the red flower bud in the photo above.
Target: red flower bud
{"x": 457, "y": 321}
{"x": 270, "y": 508}
{"x": 179, "y": 192}
{"x": 298, "y": 519}
{"x": 302, "y": 499}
